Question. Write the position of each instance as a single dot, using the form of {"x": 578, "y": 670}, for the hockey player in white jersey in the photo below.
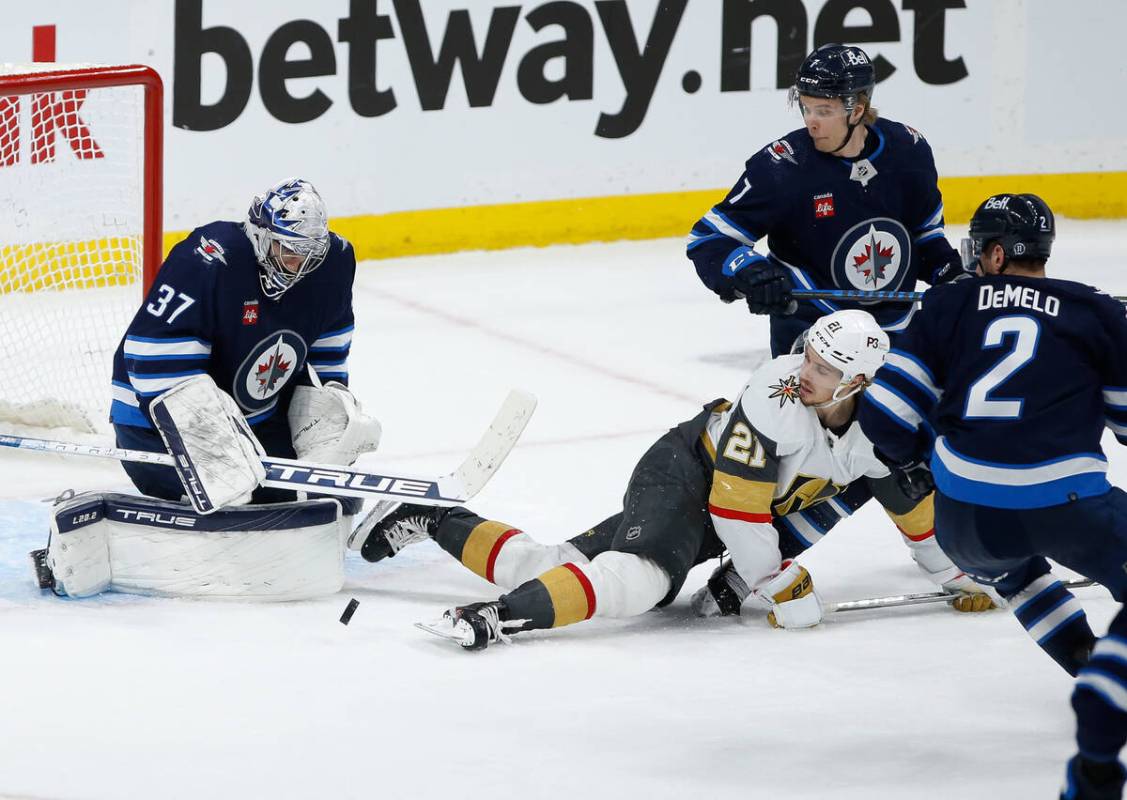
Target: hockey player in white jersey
{"x": 725, "y": 480}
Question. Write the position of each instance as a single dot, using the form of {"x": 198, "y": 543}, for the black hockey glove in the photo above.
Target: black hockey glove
{"x": 913, "y": 476}
{"x": 953, "y": 270}
{"x": 766, "y": 287}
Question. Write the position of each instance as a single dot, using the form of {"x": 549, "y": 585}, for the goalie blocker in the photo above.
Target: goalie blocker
{"x": 112, "y": 542}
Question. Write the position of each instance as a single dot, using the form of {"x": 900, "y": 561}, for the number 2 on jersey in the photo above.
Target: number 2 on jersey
{"x": 1023, "y": 347}
{"x": 158, "y": 306}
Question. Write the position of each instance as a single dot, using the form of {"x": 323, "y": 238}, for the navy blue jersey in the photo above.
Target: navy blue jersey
{"x": 872, "y": 222}
{"x": 206, "y": 313}
{"x": 1009, "y": 382}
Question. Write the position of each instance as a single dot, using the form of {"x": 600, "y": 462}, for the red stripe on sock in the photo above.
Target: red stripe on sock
{"x": 920, "y": 537}
{"x": 588, "y": 589}
{"x": 728, "y": 513}
{"x": 496, "y": 551}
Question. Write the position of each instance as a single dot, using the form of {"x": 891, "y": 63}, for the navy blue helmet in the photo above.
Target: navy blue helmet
{"x": 836, "y": 70}
{"x": 1022, "y": 224}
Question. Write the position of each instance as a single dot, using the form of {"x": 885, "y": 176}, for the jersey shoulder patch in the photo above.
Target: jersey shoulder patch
{"x": 771, "y": 404}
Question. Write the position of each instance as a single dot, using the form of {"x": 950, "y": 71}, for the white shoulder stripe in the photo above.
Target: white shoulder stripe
{"x": 895, "y": 405}
{"x": 913, "y": 370}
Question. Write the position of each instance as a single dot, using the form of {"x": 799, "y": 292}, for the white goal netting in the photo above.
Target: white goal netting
{"x": 71, "y": 223}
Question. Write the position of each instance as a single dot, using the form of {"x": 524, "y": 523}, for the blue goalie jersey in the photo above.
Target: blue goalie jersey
{"x": 1008, "y": 382}
{"x": 206, "y": 313}
{"x": 873, "y": 222}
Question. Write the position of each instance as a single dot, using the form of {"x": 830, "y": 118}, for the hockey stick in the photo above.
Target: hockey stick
{"x": 451, "y": 489}
{"x": 922, "y": 598}
{"x": 860, "y": 294}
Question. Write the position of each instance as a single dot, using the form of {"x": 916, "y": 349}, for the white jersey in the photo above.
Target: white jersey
{"x": 805, "y": 451}
{"x": 772, "y": 458}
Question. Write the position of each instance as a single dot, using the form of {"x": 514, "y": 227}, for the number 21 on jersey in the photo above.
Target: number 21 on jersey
{"x": 1025, "y": 333}
{"x": 744, "y": 447}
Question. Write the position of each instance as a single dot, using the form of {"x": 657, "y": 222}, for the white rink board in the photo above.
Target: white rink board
{"x": 127, "y": 697}
{"x": 1038, "y": 97}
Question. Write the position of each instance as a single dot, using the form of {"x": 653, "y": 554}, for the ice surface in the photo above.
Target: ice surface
{"x": 127, "y": 697}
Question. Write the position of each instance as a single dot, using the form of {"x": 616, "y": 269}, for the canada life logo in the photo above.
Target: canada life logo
{"x": 53, "y": 114}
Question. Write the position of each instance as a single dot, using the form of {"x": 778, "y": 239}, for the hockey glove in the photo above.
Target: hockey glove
{"x": 912, "y": 476}
{"x": 953, "y": 270}
{"x": 722, "y": 595}
{"x": 329, "y": 426}
{"x": 765, "y": 286}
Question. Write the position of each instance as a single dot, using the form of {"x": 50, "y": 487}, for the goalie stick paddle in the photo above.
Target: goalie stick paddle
{"x": 922, "y": 598}
{"x": 864, "y": 294}
{"x": 452, "y": 489}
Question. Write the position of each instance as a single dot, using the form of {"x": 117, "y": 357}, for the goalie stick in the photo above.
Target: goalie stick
{"x": 922, "y": 598}
{"x": 865, "y": 294}
{"x": 451, "y": 489}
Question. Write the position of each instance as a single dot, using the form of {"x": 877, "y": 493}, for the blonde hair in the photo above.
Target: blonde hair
{"x": 871, "y": 114}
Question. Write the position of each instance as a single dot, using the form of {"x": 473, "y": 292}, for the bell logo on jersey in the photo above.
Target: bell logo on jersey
{"x": 268, "y": 367}
{"x": 210, "y": 250}
{"x": 250, "y": 312}
{"x": 823, "y": 205}
{"x": 872, "y": 255}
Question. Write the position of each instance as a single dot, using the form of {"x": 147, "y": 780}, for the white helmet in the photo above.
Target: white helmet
{"x": 293, "y": 215}
{"x": 851, "y": 341}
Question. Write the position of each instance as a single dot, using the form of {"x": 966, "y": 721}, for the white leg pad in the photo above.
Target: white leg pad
{"x": 283, "y": 551}
{"x": 522, "y": 558}
{"x": 78, "y": 551}
{"x": 625, "y": 584}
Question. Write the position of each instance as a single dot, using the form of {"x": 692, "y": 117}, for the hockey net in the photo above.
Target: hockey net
{"x": 80, "y": 233}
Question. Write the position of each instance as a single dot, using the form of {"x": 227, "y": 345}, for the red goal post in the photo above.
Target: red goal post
{"x": 81, "y": 182}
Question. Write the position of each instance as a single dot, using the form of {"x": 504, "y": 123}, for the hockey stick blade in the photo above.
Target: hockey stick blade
{"x": 921, "y": 598}
{"x": 452, "y": 489}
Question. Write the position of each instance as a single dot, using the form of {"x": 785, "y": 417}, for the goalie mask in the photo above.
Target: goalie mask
{"x": 288, "y": 227}
{"x": 852, "y": 342}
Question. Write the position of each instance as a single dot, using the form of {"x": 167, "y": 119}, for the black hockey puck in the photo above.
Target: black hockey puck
{"x": 349, "y": 610}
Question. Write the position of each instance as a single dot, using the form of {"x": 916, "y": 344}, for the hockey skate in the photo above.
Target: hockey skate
{"x": 405, "y": 525}
{"x": 475, "y": 626}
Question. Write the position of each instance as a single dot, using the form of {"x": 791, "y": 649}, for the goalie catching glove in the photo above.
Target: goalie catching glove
{"x": 218, "y": 458}
{"x": 329, "y": 426}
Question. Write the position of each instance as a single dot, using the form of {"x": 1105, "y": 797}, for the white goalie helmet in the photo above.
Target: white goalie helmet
{"x": 851, "y": 341}
{"x": 287, "y": 220}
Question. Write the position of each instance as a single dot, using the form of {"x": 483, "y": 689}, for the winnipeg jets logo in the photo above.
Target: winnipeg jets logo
{"x": 210, "y": 250}
{"x": 874, "y": 254}
{"x": 786, "y": 390}
{"x": 266, "y": 370}
{"x": 275, "y": 368}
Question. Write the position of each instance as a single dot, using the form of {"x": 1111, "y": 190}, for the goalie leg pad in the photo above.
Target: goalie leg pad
{"x": 281, "y": 551}
{"x": 217, "y": 456}
{"x": 78, "y": 550}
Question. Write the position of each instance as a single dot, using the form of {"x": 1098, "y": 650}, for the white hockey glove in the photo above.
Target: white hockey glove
{"x": 329, "y": 426}
{"x": 217, "y": 456}
{"x": 789, "y": 598}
